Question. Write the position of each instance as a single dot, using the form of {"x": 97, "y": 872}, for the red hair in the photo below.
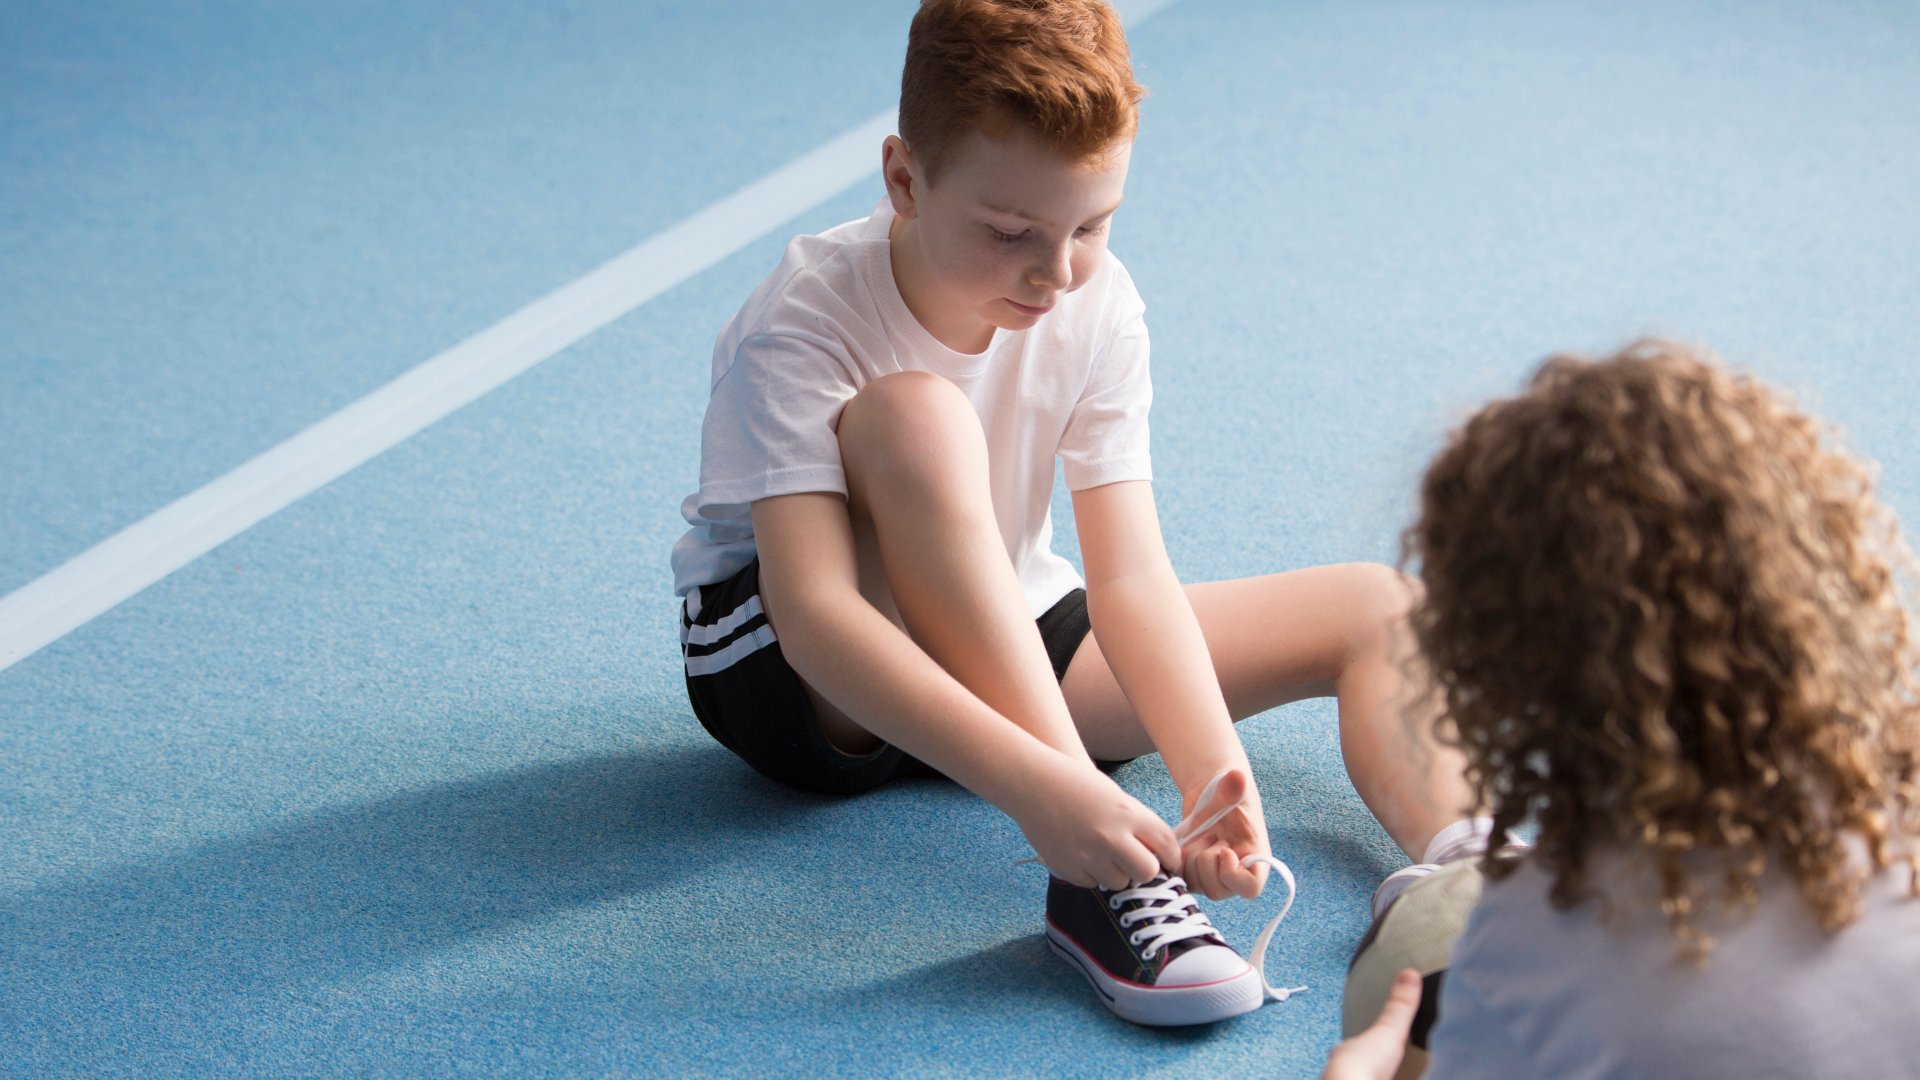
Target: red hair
{"x": 1057, "y": 67}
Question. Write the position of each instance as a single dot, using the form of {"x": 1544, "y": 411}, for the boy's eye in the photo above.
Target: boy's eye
{"x": 1006, "y": 238}
{"x": 1092, "y": 230}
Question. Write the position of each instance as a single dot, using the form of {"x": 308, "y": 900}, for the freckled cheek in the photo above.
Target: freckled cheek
{"x": 985, "y": 273}
{"x": 1084, "y": 263}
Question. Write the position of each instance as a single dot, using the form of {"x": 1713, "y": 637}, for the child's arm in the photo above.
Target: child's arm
{"x": 1085, "y": 828}
{"x": 1152, "y": 640}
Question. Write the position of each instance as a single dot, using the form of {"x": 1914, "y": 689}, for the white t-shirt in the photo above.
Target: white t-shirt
{"x": 830, "y": 320}
{"x": 1537, "y": 992}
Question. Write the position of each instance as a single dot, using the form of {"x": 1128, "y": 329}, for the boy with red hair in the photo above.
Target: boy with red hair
{"x": 868, "y": 578}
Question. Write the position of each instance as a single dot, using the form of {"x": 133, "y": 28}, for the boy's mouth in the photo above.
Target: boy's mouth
{"x": 1027, "y": 309}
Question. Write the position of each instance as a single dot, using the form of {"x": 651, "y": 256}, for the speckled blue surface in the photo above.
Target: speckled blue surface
{"x": 403, "y": 781}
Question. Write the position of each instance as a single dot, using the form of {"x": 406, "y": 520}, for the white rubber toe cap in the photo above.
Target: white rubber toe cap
{"x": 1207, "y": 964}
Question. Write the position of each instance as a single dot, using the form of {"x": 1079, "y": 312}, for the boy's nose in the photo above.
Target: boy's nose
{"x": 1055, "y": 271}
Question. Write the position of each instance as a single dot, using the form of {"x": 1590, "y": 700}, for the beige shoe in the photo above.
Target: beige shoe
{"x": 1416, "y": 930}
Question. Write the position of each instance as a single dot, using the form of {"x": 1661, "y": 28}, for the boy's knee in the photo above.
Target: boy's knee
{"x": 904, "y": 405}
{"x": 1399, "y": 591}
{"x": 1381, "y": 590}
{"x": 1379, "y": 599}
{"x": 912, "y": 425}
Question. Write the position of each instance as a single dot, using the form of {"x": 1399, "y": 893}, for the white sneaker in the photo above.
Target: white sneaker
{"x": 1396, "y": 883}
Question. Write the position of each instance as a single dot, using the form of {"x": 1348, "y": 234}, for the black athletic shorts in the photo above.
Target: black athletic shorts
{"x": 747, "y": 697}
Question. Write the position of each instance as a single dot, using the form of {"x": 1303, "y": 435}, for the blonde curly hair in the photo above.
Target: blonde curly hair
{"x": 1663, "y": 614}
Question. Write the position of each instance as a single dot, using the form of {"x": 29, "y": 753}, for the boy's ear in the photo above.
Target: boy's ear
{"x": 902, "y": 175}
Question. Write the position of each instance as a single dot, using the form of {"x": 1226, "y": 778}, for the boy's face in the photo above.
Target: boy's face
{"x": 1009, "y": 227}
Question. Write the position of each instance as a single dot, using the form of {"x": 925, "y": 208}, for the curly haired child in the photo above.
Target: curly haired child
{"x": 1666, "y": 618}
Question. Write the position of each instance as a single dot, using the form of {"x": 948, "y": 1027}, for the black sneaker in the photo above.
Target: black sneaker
{"x": 1150, "y": 953}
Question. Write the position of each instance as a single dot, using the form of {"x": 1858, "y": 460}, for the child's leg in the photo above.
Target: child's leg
{"x": 930, "y": 550}
{"x": 1337, "y": 630}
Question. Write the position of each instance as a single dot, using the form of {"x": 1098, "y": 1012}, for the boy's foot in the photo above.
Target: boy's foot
{"x": 1396, "y": 883}
{"x": 1150, "y": 953}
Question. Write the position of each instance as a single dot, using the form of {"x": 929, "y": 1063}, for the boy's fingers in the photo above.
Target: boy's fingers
{"x": 1244, "y": 882}
{"x": 1218, "y": 875}
{"x": 1142, "y": 864}
{"x": 1218, "y": 887}
{"x": 1200, "y": 876}
{"x": 1232, "y": 789}
{"x": 1207, "y": 873}
{"x": 1161, "y": 843}
{"x": 1194, "y": 873}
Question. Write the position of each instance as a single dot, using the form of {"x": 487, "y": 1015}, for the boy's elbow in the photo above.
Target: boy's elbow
{"x": 807, "y": 562}
{"x": 793, "y": 609}
{"x": 809, "y": 615}
{"x": 1148, "y": 587}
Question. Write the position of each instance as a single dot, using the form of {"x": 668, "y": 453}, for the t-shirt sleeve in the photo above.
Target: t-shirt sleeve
{"x": 771, "y": 423}
{"x": 1106, "y": 435}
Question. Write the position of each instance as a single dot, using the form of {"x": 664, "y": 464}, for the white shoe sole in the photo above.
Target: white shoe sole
{"x": 1163, "y": 1006}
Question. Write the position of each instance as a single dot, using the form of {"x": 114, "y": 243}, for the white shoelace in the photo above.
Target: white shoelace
{"x": 1169, "y": 912}
{"x": 1174, "y": 915}
{"x": 1189, "y": 828}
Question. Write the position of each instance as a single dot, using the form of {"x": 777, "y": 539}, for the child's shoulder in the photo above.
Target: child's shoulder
{"x": 1107, "y": 301}
{"x": 823, "y": 277}
{"x": 1114, "y": 280}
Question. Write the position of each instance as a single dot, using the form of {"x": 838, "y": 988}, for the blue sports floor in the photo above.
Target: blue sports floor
{"x": 402, "y": 780}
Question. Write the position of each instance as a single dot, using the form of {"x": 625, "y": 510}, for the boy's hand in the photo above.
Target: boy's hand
{"x": 1088, "y": 831}
{"x": 1210, "y": 861}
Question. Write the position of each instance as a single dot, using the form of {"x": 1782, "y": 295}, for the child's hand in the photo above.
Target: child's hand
{"x": 1376, "y": 1053}
{"x": 1210, "y": 860}
{"x": 1088, "y": 832}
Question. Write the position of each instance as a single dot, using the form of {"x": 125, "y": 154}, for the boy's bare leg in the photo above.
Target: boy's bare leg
{"x": 931, "y": 551}
{"x": 1338, "y": 630}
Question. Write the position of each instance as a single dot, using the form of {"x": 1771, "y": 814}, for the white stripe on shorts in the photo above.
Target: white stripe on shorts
{"x": 746, "y": 646}
{"x": 707, "y": 635}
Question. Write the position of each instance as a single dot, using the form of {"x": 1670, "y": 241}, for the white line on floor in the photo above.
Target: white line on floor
{"x": 72, "y": 594}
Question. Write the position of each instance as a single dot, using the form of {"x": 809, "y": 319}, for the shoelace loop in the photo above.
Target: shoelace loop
{"x": 1189, "y": 828}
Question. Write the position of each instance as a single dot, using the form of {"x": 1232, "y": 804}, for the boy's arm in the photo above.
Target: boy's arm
{"x": 1152, "y": 641}
{"x": 1079, "y": 821}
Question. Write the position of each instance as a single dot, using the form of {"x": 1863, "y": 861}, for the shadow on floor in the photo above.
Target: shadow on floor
{"x": 324, "y": 897}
